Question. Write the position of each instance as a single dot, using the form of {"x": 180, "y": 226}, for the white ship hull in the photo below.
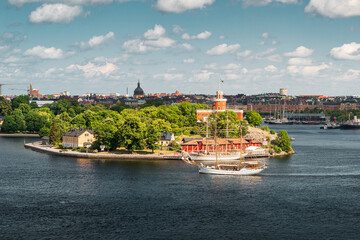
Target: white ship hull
{"x": 242, "y": 171}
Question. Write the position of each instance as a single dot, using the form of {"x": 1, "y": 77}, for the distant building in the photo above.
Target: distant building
{"x": 218, "y": 105}
{"x": 139, "y": 92}
{"x": 230, "y": 144}
{"x": 166, "y": 138}
{"x": 34, "y": 93}
{"x": 78, "y": 137}
{"x": 283, "y": 91}
{"x": 134, "y": 102}
{"x": 41, "y": 103}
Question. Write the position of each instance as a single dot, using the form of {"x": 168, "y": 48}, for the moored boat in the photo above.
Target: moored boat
{"x": 246, "y": 168}
{"x": 351, "y": 124}
{"x": 212, "y": 157}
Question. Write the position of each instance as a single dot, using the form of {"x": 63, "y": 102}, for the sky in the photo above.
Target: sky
{"x": 254, "y": 46}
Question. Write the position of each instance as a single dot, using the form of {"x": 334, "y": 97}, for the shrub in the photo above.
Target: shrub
{"x": 265, "y": 128}
{"x": 283, "y": 141}
{"x": 277, "y": 149}
{"x": 272, "y": 132}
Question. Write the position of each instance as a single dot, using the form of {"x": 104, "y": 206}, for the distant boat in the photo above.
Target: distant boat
{"x": 331, "y": 125}
{"x": 351, "y": 124}
{"x": 281, "y": 121}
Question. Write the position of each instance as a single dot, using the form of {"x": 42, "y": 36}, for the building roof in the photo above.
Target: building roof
{"x": 138, "y": 91}
{"x": 220, "y": 141}
{"x": 73, "y": 132}
{"x": 167, "y": 136}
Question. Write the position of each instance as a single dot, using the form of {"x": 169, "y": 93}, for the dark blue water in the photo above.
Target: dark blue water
{"x": 312, "y": 195}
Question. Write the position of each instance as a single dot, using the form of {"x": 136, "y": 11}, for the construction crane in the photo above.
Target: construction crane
{"x": 18, "y": 89}
{"x": 2, "y": 84}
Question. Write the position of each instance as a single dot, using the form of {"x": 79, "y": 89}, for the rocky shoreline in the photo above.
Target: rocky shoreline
{"x": 36, "y": 146}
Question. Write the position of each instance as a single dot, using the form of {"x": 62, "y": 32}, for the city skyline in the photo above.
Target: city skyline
{"x": 106, "y": 46}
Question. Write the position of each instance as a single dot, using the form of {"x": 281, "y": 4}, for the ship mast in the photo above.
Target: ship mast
{"x": 216, "y": 146}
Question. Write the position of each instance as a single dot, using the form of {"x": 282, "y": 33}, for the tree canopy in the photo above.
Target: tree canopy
{"x": 253, "y": 118}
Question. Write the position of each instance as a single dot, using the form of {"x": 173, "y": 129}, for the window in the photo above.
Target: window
{"x": 218, "y": 108}
{"x": 86, "y": 134}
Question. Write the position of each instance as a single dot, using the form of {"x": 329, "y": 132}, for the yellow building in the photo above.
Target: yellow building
{"x": 78, "y": 138}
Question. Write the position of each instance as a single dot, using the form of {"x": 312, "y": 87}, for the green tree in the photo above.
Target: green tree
{"x": 15, "y": 122}
{"x": 5, "y": 106}
{"x": 283, "y": 141}
{"x": 44, "y": 132}
{"x": 24, "y": 108}
{"x": 253, "y": 118}
{"x": 132, "y": 133}
{"x": 18, "y": 100}
{"x": 78, "y": 121}
{"x": 152, "y": 139}
{"x": 54, "y": 136}
{"x": 33, "y": 105}
{"x": 36, "y": 120}
{"x": 107, "y": 134}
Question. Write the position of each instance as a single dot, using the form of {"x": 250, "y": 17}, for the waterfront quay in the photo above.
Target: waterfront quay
{"x": 37, "y": 146}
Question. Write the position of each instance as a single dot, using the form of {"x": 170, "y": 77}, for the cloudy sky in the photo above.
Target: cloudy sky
{"x": 255, "y": 46}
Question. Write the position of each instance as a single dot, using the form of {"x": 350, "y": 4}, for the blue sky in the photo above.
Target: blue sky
{"x": 255, "y": 46}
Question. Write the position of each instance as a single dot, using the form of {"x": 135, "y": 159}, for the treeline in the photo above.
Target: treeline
{"x": 132, "y": 128}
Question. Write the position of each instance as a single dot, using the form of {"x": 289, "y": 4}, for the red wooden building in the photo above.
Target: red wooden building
{"x": 230, "y": 144}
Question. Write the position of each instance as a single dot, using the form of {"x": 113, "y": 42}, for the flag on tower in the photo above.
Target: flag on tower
{"x": 221, "y": 80}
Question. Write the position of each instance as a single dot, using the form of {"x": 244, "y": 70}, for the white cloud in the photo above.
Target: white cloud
{"x": 96, "y": 41}
{"x": 300, "y": 52}
{"x": 222, "y": 37}
{"x": 156, "y": 33}
{"x": 20, "y": 3}
{"x": 212, "y": 66}
{"x": 270, "y": 68}
{"x": 244, "y": 53}
{"x": 189, "y": 60}
{"x": 169, "y": 76}
{"x": 202, "y": 76}
{"x": 92, "y": 70}
{"x": 349, "y": 51}
{"x": 177, "y": 29}
{"x": 232, "y": 76}
{"x": 223, "y": 49}
{"x": 179, "y": 6}
{"x": 47, "y": 53}
{"x": 351, "y": 74}
{"x": 55, "y": 13}
{"x": 247, "y": 3}
{"x": 153, "y": 40}
{"x": 270, "y": 55}
{"x": 136, "y": 46}
{"x": 307, "y": 70}
{"x": 163, "y": 42}
{"x": 232, "y": 66}
{"x": 202, "y": 35}
{"x": 265, "y": 35}
{"x": 299, "y": 61}
{"x": 334, "y": 8}
{"x": 187, "y": 46}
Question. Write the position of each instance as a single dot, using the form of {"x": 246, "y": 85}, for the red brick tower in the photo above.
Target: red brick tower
{"x": 219, "y": 102}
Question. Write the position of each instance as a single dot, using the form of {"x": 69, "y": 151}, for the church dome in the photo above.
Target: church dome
{"x": 139, "y": 91}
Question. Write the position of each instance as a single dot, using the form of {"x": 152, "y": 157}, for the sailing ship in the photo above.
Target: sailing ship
{"x": 243, "y": 168}
{"x": 208, "y": 156}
